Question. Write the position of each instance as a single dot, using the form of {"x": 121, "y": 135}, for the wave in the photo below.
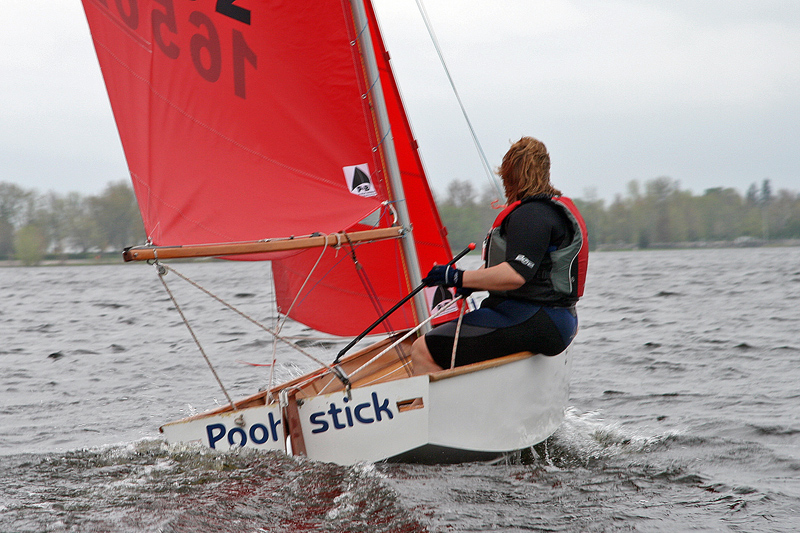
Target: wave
{"x": 151, "y": 486}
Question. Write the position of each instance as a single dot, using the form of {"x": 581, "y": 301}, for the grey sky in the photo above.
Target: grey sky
{"x": 704, "y": 92}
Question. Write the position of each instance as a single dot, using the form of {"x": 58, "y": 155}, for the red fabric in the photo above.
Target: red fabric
{"x": 239, "y": 131}
{"x": 211, "y": 166}
{"x": 504, "y": 213}
{"x": 337, "y": 286}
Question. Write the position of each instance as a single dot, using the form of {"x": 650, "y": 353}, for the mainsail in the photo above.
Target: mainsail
{"x": 255, "y": 121}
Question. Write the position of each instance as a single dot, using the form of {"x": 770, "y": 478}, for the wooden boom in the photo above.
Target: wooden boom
{"x": 145, "y": 253}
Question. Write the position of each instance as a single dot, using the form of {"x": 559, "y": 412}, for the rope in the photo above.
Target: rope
{"x": 300, "y": 291}
{"x": 162, "y": 271}
{"x": 279, "y": 325}
{"x": 481, "y": 154}
{"x": 458, "y": 333}
{"x": 374, "y": 299}
{"x": 404, "y": 337}
{"x": 247, "y": 317}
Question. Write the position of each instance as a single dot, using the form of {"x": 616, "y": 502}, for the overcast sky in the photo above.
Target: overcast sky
{"x": 706, "y": 92}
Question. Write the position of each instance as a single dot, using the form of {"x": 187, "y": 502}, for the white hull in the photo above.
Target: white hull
{"x": 471, "y": 412}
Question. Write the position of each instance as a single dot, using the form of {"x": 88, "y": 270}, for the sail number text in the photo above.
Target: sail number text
{"x": 205, "y": 45}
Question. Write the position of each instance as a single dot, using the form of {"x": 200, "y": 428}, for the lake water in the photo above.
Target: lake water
{"x": 684, "y": 411}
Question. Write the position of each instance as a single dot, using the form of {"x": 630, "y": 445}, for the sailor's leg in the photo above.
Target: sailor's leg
{"x": 421, "y": 358}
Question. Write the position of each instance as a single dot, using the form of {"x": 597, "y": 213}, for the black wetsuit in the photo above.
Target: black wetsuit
{"x": 533, "y": 317}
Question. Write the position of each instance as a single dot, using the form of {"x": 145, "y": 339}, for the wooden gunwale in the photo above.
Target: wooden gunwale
{"x": 387, "y": 368}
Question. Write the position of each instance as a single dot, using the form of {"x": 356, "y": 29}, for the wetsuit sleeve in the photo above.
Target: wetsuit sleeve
{"x": 530, "y": 229}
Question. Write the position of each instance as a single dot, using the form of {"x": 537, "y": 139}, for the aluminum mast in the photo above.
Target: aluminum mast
{"x": 392, "y": 166}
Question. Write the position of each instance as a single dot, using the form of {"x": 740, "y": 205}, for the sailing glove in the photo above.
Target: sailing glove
{"x": 464, "y": 292}
{"x": 446, "y": 275}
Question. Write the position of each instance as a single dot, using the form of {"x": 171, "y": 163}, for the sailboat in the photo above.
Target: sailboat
{"x": 274, "y": 131}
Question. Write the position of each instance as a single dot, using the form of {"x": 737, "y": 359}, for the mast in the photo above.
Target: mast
{"x": 392, "y": 166}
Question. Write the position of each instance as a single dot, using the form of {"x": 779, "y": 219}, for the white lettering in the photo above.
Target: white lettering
{"x": 525, "y": 261}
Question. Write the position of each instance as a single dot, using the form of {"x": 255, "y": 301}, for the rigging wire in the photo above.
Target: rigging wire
{"x": 162, "y": 271}
{"x": 396, "y": 344}
{"x": 481, "y": 154}
{"x": 281, "y": 321}
{"x": 247, "y": 317}
{"x": 374, "y": 298}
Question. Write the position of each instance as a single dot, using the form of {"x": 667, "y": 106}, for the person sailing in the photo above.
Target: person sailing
{"x": 535, "y": 259}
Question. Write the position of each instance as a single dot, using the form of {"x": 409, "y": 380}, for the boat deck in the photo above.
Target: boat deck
{"x": 392, "y": 365}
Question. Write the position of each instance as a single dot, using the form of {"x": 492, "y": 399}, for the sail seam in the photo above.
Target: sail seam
{"x": 141, "y": 41}
{"x": 215, "y": 132}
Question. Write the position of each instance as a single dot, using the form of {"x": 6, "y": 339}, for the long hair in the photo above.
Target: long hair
{"x": 525, "y": 170}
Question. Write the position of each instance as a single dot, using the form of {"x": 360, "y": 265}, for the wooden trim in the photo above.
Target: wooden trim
{"x": 260, "y": 398}
{"x": 292, "y": 426}
{"x": 147, "y": 253}
{"x": 475, "y": 367}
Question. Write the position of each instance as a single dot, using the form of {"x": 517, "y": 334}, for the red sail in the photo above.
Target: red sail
{"x": 243, "y": 122}
{"x": 381, "y": 262}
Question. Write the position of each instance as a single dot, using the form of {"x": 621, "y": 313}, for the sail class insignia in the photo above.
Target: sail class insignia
{"x": 358, "y": 181}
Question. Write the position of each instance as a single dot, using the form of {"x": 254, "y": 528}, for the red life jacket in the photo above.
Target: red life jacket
{"x": 569, "y": 263}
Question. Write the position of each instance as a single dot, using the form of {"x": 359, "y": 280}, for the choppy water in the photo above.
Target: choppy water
{"x": 685, "y": 410}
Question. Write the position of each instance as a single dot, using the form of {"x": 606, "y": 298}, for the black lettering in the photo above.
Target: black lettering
{"x": 215, "y": 433}
{"x": 167, "y": 19}
{"x": 226, "y": 7}
{"x": 131, "y": 15}
{"x": 241, "y": 54}
{"x": 210, "y": 43}
{"x": 333, "y": 411}
{"x": 316, "y": 418}
{"x": 383, "y": 407}
{"x": 264, "y": 433}
{"x": 273, "y": 424}
{"x": 361, "y": 418}
{"x": 232, "y": 437}
{"x": 348, "y": 413}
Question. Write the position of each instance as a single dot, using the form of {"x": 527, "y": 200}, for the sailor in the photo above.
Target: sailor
{"x": 535, "y": 259}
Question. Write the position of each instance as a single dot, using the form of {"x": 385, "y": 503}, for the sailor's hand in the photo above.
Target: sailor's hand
{"x": 449, "y": 276}
{"x": 463, "y": 292}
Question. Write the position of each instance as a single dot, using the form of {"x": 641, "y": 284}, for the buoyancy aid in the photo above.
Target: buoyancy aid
{"x": 565, "y": 271}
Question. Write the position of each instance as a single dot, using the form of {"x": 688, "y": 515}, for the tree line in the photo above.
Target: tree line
{"x": 658, "y": 212}
{"x": 34, "y": 226}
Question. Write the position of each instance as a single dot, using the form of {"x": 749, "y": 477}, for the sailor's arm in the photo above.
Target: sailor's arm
{"x": 500, "y": 277}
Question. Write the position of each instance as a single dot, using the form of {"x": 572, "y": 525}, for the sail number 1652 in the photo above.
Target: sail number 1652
{"x": 205, "y": 46}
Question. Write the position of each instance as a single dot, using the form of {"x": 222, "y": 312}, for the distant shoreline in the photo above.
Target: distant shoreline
{"x": 105, "y": 259}
{"x": 742, "y": 242}
{"x": 10, "y": 263}
{"x": 116, "y": 259}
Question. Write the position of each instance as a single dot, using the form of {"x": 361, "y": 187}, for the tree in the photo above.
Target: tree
{"x": 658, "y": 195}
{"x": 119, "y": 223}
{"x": 81, "y": 228}
{"x": 15, "y": 204}
{"x": 30, "y": 244}
{"x": 6, "y": 239}
{"x": 751, "y": 198}
{"x": 722, "y": 213}
{"x": 594, "y": 215}
{"x": 766, "y": 192}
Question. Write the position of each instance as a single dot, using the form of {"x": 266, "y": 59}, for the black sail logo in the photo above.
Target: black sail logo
{"x": 358, "y": 181}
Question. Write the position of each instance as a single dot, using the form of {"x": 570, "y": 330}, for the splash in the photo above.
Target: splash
{"x": 584, "y": 438}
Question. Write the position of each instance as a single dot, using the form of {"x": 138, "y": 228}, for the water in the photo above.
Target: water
{"x": 684, "y": 416}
